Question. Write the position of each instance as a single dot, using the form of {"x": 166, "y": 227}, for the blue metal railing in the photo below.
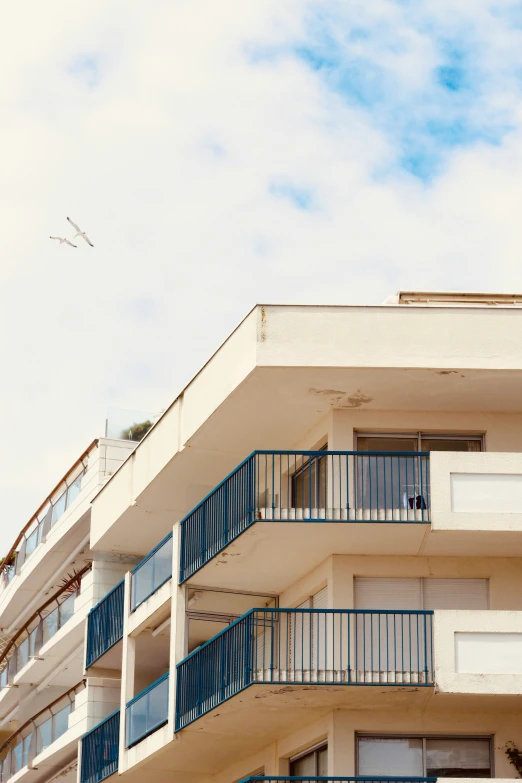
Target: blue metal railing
{"x": 105, "y": 624}
{"x": 306, "y": 486}
{"x": 313, "y": 646}
{"x": 152, "y": 572}
{"x": 100, "y": 750}
{"x": 147, "y": 711}
{"x": 308, "y": 779}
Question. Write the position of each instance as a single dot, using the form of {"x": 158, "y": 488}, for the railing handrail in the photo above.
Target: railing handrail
{"x": 341, "y": 453}
{"x": 301, "y": 454}
{"x": 218, "y": 486}
{"x": 26, "y": 527}
{"x": 420, "y": 612}
{"x": 106, "y": 596}
{"x": 152, "y": 552}
{"x": 148, "y": 689}
{"x": 40, "y": 609}
{"x": 335, "y": 779}
{"x": 105, "y": 720}
{"x": 8, "y": 743}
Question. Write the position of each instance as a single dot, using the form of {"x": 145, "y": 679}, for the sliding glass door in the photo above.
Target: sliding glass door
{"x": 385, "y": 479}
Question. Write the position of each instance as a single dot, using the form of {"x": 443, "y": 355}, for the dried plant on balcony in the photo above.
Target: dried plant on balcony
{"x": 514, "y": 755}
{"x": 71, "y": 583}
{"x": 8, "y": 561}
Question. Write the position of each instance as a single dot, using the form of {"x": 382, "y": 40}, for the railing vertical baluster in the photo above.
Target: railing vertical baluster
{"x": 371, "y": 462}
{"x": 384, "y": 461}
{"x": 410, "y": 644}
{"x": 404, "y": 497}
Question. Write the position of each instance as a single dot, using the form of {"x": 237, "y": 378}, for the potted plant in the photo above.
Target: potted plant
{"x": 137, "y": 431}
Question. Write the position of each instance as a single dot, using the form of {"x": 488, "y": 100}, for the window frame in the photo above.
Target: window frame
{"x": 420, "y": 435}
{"x": 423, "y": 579}
{"x": 301, "y": 470}
{"x": 312, "y": 750}
{"x": 424, "y": 737}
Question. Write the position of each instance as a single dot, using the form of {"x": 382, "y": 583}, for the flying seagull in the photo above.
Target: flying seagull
{"x": 79, "y": 232}
{"x": 61, "y": 240}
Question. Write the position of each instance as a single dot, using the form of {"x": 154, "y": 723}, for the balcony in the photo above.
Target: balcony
{"x": 58, "y": 530}
{"x": 100, "y": 750}
{"x": 384, "y": 496}
{"x": 31, "y": 653}
{"x": 105, "y": 624}
{"x": 151, "y": 573}
{"x": 43, "y": 744}
{"x": 306, "y": 648}
{"x": 147, "y": 711}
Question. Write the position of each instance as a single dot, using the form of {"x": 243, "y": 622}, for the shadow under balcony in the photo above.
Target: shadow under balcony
{"x": 258, "y": 529}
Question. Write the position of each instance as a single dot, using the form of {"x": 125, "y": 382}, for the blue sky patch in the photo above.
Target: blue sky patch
{"x": 425, "y": 115}
{"x": 86, "y": 68}
{"x": 300, "y": 198}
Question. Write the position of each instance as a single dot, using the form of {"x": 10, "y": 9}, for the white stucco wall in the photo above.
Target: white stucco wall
{"x": 480, "y": 491}
{"x": 448, "y": 625}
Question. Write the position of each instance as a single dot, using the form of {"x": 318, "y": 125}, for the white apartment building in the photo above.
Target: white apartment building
{"x": 310, "y": 568}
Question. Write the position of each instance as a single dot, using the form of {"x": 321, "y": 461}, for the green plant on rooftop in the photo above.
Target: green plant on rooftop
{"x": 137, "y": 431}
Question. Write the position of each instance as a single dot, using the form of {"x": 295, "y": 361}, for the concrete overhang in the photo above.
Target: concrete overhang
{"x": 280, "y": 372}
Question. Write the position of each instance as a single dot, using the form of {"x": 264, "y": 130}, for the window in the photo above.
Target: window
{"x": 305, "y": 632}
{"x": 443, "y": 757}
{"x": 418, "y": 441}
{"x": 309, "y": 483}
{"x": 393, "y": 481}
{"x": 420, "y": 593}
{"x": 312, "y": 763}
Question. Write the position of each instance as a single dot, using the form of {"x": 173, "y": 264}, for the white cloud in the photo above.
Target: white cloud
{"x": 154, "y": 128}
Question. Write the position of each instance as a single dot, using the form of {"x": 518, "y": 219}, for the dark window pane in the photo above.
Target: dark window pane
{"x": 458, "y": 758}
{"x": 309, "y": 484}
{"x": 304, "y": 766}
{"x": 449, "y": 444}
{"x": 387, "y": 444}
{"x": 322, "y": 761}
{"x": 312, "y": 764}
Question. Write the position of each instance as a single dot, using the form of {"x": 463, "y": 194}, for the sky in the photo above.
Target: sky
{"x": 223, "y": 154}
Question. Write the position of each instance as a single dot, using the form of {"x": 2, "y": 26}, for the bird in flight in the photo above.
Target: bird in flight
{"x": 61, "y": 240}
{"x": 79, "y": 232}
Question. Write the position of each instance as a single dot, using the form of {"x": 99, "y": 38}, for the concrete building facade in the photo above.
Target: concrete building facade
{"x": 309, "y": 568}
